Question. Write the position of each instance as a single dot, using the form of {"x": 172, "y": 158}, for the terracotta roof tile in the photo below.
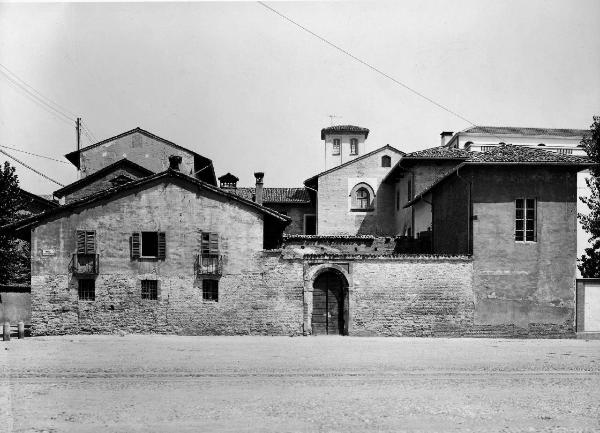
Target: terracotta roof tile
{"x": 440, "y": 152}
{"x": 524, "y": 154}
{"x": 516, "y": 130}
{"x": 344, "y": 129}
{"x": 274, "y": 195}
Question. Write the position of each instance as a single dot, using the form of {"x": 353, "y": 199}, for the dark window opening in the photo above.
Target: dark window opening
{"x": 210, "y": 290}
{"x": 310, "y": 224}
{"x": 386, "y": 161}
{"x": 353, "y": 146}
{"x": 397, "y": 199}
{"x": 409, "y": 195}
{"x": 149, "y": 244}
{"x": 150, "y": 289}
{"x": 525, "y": 220}
{"x": 86, "y": 290}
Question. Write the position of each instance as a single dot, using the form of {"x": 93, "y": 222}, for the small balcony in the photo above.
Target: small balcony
{"x": 212, "y": 265}
{"x": 84, "y": 264}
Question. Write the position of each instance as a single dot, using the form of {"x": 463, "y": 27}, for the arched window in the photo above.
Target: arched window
{"x": 386, "y": 161}
{"x": 353, "y": 146}
{"x": 362, "y": 198}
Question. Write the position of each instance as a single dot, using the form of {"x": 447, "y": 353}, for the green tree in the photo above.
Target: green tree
{"x": 14, "y": 253}
{"x": 589, "y": 263}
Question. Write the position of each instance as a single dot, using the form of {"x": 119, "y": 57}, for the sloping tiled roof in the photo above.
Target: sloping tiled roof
{"x": 523, "y": 154}
{"x": 516, "y": 130}
{"x": 274, "y": 195}
{"x": 120, "y": 164}
{"x": 440, "y": 152}
{"x": 108, "y": 193}
{"x": 341, "y": 129}
{"x": 510, "y": 154}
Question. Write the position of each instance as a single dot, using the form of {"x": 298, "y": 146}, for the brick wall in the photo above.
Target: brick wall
{"x": 137, "y": 147}
{"x": 334, "y": 215}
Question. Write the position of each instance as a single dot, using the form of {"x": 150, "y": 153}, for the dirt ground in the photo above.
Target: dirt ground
{"x": 303, "y": 384}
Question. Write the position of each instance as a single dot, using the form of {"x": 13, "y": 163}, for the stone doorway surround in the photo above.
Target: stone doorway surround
{"x": 311, "y": 273}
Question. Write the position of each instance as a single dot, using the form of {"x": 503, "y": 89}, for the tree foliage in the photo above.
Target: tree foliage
{"x": 589, "y": 263}
{"x": 14, "y": 253}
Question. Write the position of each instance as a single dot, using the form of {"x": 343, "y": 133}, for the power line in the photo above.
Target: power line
{"x": 379, "y": 71}
{"x": 32, "y": 89}
{"x": 34, "y": 154}
{"x": 31, "y": 168}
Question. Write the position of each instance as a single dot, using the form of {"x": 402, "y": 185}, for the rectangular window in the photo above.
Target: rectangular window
{"x": 86, "y": 242}
{"x": 336, "y": 146}
{"x": 148, "y": 244}
{"x": 210, "y": 290}
{"x": 353, "y": 146}
{"x": 565, "y": 151}
{"x": 86, "y": 290}
{"x": 525, "y": 220}
{"x": 397, "y": 199}
{"x": 210, "y": 245}
{"x": 310, "y": 224}
{"x": 150, "y": 289}
{"x": 409, "y": 195}
{"x": 487, "y": 148}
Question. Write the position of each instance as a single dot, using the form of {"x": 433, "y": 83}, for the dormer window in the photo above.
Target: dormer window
{"x": 336, "y": 146}
{"x": 353, "y": 146}
{"x": 228, "y": 181}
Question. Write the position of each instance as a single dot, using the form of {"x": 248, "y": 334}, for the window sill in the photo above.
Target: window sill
{"x": 371, "y": 209}
{"x": 525, "y": 242}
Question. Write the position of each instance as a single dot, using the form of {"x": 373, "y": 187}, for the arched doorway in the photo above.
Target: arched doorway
{"x": 330, "y": 304}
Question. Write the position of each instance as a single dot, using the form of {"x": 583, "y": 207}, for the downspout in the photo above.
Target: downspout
{"x": 469, "y": 212}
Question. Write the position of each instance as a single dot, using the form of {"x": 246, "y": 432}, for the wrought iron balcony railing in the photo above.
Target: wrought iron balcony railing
{"x": 85, "y": 264}
{"x": 212, "y": 265}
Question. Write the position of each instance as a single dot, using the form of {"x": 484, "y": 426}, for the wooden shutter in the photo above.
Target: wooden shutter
{"x": 135, "y": 245}
{"x": 90, "y": 242}
{"x": 213, "y": 244}
{"x": 162, "y": 245}
{"x": 205, "y": 245}
{"x": 81, "y": 241}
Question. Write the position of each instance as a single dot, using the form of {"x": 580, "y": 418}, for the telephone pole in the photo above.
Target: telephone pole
{"x": 78, "y": 128}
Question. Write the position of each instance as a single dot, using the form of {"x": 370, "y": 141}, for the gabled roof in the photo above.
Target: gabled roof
{"x": 440, "y": 152}
{"x": 228, "y": 178}
{"x": 517, "y": 130}
{"x": 509, "y": 154}
{"x": 73, "y": 157}
{"x": 352, "y": 161}
{"x": 275, "y": 195}
{"x": 140, "y": 183}
{"x": 120, "y": 164}
{"x": 43, "y": 200}
{"x": 344, "y": 129}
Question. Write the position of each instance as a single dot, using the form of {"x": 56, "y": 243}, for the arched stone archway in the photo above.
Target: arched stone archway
{"x": 329, "y": 301}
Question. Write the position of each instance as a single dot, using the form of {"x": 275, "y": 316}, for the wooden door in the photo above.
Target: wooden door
{"x": 328, "y": 304}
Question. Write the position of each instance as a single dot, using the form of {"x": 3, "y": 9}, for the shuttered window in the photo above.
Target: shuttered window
{"x": 210, "y": 245}
{"x": 148, "y": 244}
{"x": 86, "y": 242}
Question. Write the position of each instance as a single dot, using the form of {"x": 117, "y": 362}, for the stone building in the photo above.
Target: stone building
{"x": 156, "y": 246}
{"x": 350, "y": 197}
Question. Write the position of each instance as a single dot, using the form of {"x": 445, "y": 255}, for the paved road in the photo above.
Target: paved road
{"x": 282, "y": 384}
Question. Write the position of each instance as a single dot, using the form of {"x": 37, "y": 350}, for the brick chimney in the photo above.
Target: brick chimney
{"x": 174, "y": 161}
{"x": 259, "y": 187}
{"x": 446, "y": 136}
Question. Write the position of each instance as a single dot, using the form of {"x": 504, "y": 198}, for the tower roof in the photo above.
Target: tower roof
{"x": 344, "y": 129}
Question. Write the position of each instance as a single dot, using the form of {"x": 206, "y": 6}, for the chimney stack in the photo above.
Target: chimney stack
{"x": 446, "y": 136}
{"x": 259, "y": 187}
{"x": 174, "y": 161}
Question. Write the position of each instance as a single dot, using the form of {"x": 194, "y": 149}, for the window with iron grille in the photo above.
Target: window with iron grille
{"x": 86, "y": 242}
{"x": 525, "y": 220}
{"x": 336, "y": 146}
{"x": 150, "y": 289}
{"x": 353, "y": 146}
{"x": 148, "y": 245}
{"x": 86, "y": 289}
{"x": 210, "y": 290}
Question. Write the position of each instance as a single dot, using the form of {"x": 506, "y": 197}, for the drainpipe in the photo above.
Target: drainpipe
{"x": 469, "y": 212}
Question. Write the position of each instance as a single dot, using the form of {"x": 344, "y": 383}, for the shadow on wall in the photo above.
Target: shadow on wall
{"x": 379, "y": 221}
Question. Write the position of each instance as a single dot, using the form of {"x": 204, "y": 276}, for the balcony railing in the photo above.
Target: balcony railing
{"x": 208, "y": 265}
{"x": 85, "y": 264}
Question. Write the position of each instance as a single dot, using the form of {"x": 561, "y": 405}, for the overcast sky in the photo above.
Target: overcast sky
{"x": 242, "y": 86}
